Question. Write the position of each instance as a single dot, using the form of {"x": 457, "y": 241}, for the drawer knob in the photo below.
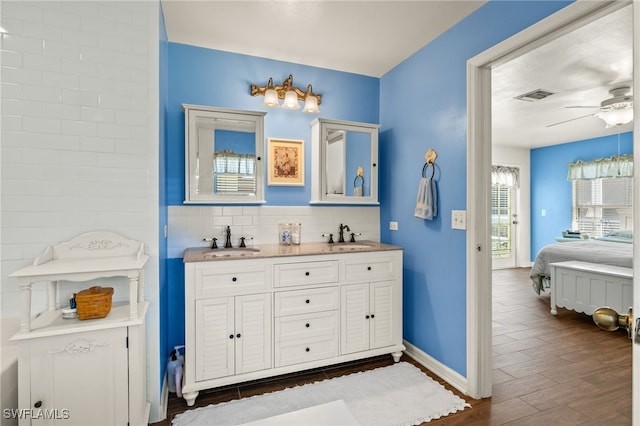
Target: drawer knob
{"x": 307, "y": 301}
{"x": 366, "y": 316}
{"x": 373, "y": 316}
{"x": 38, "y": 404}
{"x": 307, "y": 349}
{"x": 231, "y": 336}
{"x": 238, "y": 335}
{"x": 234, "y": 279}
{"x": 368, "y": 268}
{"x": 307, "y": 325}
{"x": 307, "y": 273}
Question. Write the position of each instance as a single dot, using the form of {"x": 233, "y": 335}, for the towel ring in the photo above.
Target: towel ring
{"x": 430, "y": 156}
{"x": 433, "y": 169}
{"x": 355, "y": 181}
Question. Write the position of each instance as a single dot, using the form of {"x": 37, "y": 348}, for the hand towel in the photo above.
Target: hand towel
{"x": 427, "y": 199}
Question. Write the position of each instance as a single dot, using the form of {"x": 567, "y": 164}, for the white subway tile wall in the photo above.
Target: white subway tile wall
{"x": 79, "y": 137}
{"x": 189, "y": 225}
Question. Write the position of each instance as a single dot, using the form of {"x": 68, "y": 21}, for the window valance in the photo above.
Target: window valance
{"x": 503, "y": 175}
{"x": 615, "y": 166}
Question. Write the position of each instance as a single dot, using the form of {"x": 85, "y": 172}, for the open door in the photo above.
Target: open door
{"x": 479, "y": 359}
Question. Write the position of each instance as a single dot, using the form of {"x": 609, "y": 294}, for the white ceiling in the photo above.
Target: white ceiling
{"x": 372, "y": 37}
{"x": 579, "y": 68}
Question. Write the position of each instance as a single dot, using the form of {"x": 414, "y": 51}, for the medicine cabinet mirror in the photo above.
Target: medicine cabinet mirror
{"x": 224, "y": 155}
{"x": 344, "y": 162}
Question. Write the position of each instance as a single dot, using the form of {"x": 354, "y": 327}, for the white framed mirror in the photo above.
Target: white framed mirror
{"x": 224, "y": 158}
{"x": 344, "y": 162}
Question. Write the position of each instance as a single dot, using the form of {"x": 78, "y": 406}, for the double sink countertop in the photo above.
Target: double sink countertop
{"x": 207, "y": 254}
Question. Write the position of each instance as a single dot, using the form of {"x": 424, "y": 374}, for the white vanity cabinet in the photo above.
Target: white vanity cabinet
{"x": 276, "y": 314}
{"x": 232, "y": 335}
{"x": 367, "y": 317}
{"x": 307, "y": 319}
{"x": 371, "y": 302}
{"x": 228, "y": 322}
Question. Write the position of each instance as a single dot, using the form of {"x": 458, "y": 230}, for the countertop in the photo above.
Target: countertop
{"x": 199, "y": 254}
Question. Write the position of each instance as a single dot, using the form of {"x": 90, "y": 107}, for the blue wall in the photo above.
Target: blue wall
{"x": 422, "y": 106}
{"x": 213, "y": 78}
{"x": 550, "y": 189}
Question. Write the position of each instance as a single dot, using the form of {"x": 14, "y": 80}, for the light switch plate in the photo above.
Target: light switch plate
{"x": 458, "y": 219}
{"x": 393, "y": 226}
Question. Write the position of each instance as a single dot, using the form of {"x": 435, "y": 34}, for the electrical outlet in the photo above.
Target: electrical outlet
{"x": 458, "y": 219}
{"x": 393, "y": 226}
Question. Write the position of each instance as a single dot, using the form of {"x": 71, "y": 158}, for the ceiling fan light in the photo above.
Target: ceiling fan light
{"x": 616, "y": 117}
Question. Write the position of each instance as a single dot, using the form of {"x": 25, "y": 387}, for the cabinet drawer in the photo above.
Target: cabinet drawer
{"x": 230, "y": 279}
{"x": 306, "y": 326}
{"x": 369, "y": 268}
{"x": 303, "y": 273}
{"x": 306, "y": 301}
{"x": 311, "y": 349}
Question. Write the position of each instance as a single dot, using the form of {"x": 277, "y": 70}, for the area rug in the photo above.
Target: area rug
{"x": 397, "y": 395}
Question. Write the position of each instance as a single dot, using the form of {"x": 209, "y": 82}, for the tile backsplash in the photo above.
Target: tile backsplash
{"x": 189, "y": 225}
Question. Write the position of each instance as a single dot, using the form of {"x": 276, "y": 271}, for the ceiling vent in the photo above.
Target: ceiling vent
{"x": 535, "y": 95}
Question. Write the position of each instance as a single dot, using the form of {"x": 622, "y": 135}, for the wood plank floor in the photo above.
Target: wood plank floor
{"x": 555, "y": 370}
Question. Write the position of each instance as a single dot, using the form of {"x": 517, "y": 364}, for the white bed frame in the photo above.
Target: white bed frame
{"x": 585, "y": 287}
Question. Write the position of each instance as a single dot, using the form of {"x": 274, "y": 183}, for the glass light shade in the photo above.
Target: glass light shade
{"x": 271, "y": 98}
{"x": 291, "y": 100}
{"x": 311, "y": 105}
{"x": 616, "y": 117}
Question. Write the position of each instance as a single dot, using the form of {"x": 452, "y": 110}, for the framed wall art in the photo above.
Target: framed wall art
{"x": 286, "y": 162}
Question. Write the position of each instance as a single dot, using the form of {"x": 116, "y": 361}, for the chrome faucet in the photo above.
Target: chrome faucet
{"x": 227, "y": 243}
{"x": 341, "y": 235}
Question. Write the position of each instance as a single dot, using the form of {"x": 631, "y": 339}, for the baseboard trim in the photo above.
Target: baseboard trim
{"x": 450, "y": 376}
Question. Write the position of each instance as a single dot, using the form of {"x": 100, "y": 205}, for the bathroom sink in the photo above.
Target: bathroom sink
{"x": 349, "y": 246}
{"x": 231, "y": 252}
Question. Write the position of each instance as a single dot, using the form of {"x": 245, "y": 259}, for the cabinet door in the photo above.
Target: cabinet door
{"x": 215, "y": 337}
{"x": 253, "y": 332}
{"x": 382, "y": 314}
{"x": 355, "y": 318}
{"x": 80, "y": 379}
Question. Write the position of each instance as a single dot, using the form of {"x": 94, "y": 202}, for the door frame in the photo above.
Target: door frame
{"x": 479, "y": 294}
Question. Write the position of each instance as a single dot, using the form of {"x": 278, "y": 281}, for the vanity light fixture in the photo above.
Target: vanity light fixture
{"x": 292, "y": 96}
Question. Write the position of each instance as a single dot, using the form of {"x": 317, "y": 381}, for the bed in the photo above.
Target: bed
{"x": 615, "y": 248}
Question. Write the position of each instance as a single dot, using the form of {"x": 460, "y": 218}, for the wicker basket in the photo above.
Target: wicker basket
{"x": 94, "y": 302}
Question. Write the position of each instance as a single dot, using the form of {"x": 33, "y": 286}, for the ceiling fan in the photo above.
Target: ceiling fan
{"x": 615, "y": 111}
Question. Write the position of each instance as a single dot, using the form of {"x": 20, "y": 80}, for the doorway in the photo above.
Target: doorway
{"x": 479, "y": 295}
{"x": 504, "y": 216}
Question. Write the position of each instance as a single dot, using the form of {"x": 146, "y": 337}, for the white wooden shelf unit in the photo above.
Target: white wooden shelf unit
{"x": 84, "y": 372}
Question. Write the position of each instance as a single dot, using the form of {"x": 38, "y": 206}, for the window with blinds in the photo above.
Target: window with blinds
{"x": 235, "y": 173}
{"x": 600, "y": 206}
{"x": 501, "y": 207}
